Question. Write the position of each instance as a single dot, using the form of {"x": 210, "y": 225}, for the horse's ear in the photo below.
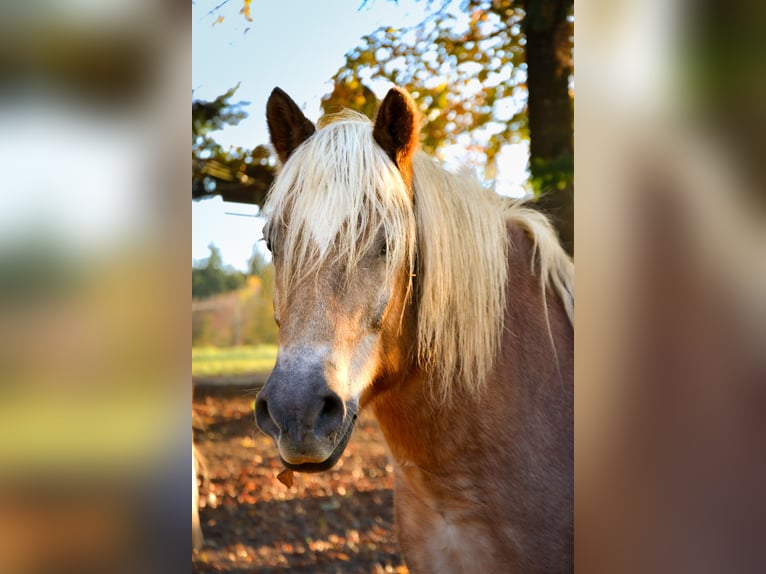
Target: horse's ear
{"x": 288, "y": 127}
{"x": 397, "y": 127}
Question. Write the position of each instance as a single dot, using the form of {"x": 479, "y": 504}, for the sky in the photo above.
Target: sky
{"x": 297, "y": 45}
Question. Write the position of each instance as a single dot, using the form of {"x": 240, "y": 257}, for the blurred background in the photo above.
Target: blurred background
{"x": 670, "y": 405}
{"x": 94, "y": 227}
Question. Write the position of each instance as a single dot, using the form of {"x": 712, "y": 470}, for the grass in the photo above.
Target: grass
{"x": 212, "y": 361}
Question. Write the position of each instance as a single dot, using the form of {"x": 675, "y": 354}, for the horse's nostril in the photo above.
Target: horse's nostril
{"x": 330, "y": 416}
{"x": 263, "y": 417}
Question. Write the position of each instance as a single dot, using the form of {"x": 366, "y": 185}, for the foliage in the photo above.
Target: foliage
{"x": 466, "y": 77}
{"x": 210, "y": 278}
{"x": 258, "y": 263}
{"x": 258, "y": 326}
{"x": 552, "y": 175}
{"x": 232, "y": 308}
{"x": 493, "y": 72}
{"x": 467, "y": 72}
{"x": 204, "y": 331}
{"x": 349, "y": 92}
{"x": 237, "y": 174}
{"x": 212, "y": 361}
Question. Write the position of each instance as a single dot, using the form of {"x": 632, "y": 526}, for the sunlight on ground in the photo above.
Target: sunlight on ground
{"x": 212, "y": 361}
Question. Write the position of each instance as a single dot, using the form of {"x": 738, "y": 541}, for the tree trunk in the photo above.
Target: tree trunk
{"x": 549, "y": 108}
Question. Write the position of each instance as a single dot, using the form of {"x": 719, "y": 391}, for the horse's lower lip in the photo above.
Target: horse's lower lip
{"x": 330, "y": 461}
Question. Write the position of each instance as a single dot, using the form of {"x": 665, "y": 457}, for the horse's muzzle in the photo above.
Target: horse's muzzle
{"x": 307, "y": 420}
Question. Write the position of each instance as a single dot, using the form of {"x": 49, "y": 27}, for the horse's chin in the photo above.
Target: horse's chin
{"x": 330, "y": 461}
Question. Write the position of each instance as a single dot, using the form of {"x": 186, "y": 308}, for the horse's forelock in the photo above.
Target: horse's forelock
{"x": 334, "y": 196}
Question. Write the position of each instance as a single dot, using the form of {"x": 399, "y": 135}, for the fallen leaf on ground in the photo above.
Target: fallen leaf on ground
{"x": 286, "y": 477}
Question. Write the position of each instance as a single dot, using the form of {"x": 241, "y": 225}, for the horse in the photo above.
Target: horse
{"x": 444, "y": 309}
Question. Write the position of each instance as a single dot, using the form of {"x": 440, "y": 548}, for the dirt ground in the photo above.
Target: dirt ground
{"x": 340, "y": 520}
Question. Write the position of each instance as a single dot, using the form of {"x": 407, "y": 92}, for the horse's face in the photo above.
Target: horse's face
{"x": 334, "y": 330}
{"x": 337, "y": 322}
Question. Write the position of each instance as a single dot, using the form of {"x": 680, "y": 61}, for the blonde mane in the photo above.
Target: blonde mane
{"x": 341, "y": 192}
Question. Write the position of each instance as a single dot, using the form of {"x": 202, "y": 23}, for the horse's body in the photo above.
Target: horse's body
{"x": 486, "y": 486}
{"x": 462, "y": 349}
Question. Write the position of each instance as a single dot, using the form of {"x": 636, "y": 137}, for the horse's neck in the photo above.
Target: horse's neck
{"x": 475, "y": 477}
{"x": 529, "y": 381}
{"x": 410, "y": 421}
{"x": 403, "y": 403}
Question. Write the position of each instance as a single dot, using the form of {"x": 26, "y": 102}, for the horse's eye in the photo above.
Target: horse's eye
{"x": 268, "y": 244}
{"x": 384, "y": 249}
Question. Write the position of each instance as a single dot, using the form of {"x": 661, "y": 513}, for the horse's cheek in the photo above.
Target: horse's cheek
{"x": 365, "y": 361}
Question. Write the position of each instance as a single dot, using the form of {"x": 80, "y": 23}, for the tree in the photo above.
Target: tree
{"x": 236, "y": 174}
{"x": 548, "y": 28}
{"x": 210, "y": 278}
{"x": 500, "y": 76}
{"x": 259, "y": 326}
{"x": 258, "y": 262}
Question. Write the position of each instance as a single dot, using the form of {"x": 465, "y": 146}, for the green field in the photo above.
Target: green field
{"x": 212, "y": 361}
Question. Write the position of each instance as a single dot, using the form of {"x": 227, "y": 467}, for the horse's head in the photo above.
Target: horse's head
{"x": 341, "y": 229}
